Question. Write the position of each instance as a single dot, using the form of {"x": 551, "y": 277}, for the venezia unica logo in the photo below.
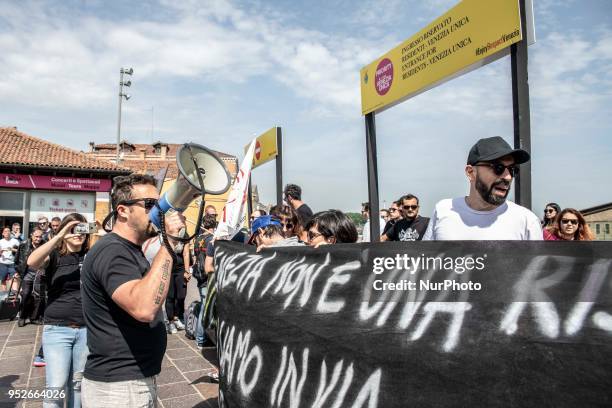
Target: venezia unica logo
{"x": 384, "y": 76}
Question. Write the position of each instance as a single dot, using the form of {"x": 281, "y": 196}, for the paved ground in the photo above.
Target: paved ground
{"x": 183, "y": 382}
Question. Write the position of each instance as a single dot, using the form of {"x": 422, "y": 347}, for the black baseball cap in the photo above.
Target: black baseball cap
{"x": 492, "y": 148}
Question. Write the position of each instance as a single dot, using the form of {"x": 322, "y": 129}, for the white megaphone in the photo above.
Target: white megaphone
{"x": 192, "y": 159}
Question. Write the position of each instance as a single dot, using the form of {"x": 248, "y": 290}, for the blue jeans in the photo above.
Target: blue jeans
{"x": 65, "y": 354}
{"x": 200, "y": 334}
{"x": 6, "y": 270}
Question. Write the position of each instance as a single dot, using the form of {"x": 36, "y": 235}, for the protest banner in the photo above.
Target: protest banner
{"x": 233, "y": 216}
{"x": 425, "y": 324}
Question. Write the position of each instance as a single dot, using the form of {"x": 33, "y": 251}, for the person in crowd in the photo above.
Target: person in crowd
{"x": 293, "y": 197}
{"x": 550, "y": 213}
{"x": 289, "y": 220}
{"x": 209, "y": 223}
{"x": 384, "y": 214}
{"x": 256, "y": 214}
{"x": 569, "y": 225}
{"x": 210, "y": 210}
{"x": 485, "y": 214}
{"x": 395, "y": 214}
{"x": 16, "y": 232}
{"x": 30, "y": 305}
{"x": 175, "y": 300}
{"x": 8, "y": 250}
{"x": 64, "y": 336}
{"x": 43, "y": 224}
{"x": 122, "y": 300}
{"x": 331, "y": 227}
{"x": 267, "y": 231}
{"x": 412, "y": 226}
{"x": 54, "y": 225}
{"x": 365, "y": 213}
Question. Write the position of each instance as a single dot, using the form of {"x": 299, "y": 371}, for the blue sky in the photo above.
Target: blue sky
{"x": 219, "y": 72}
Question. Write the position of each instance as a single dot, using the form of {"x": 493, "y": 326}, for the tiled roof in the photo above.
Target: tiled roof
{"x": 149, "y": 149}
{"x": 20, "y": 149}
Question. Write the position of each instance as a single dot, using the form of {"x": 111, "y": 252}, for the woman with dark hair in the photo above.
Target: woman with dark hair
{"x": 330, "y": 227}
{"x": 569, "y": 225}
{"x": 64, "y": 334}
{"x": 550, "y": 212}
{"x": 289, "y": 220}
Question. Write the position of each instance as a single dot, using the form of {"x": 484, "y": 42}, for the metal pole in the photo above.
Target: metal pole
{"x": 249, "y": 202}
{"x": 520, "y": 104}
{"x": 119, "y": 115}
{"x": 279, "y": 166}
{"x": 372, "y": 177}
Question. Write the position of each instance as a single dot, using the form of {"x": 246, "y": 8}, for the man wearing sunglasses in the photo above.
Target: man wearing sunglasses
{"x": 122, "y": 299}
{"x": 485, "y": 214}
{"x": 412, "y": 226}
{"x": 395, "y": 214}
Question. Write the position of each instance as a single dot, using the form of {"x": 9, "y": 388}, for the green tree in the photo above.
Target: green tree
{"x": 356, "y": 218}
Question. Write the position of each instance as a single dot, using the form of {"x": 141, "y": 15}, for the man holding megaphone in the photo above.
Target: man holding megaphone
{"x": 122, "y": 300}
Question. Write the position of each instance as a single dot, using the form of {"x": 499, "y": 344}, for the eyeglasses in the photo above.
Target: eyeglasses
{"x": 568, "y": 221}
{"x": 287, "y": 225}
{"x": 410, "y": 207}
{"x": 313, "y": 235}
{"x": 148, "y": 203}
{"x": 549, "y": 211}
{"x": 499, "y": 168}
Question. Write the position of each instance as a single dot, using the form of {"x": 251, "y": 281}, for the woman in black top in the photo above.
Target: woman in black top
{"x": 64, "y": 333}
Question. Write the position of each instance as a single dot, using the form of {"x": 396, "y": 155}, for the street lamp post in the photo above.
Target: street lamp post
{"x": 122, "y": 71}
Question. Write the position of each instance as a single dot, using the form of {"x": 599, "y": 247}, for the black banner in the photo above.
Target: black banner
{"x": 424, "y": 324}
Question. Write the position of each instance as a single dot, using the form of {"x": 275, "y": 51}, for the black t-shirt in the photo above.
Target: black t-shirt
{"x": 63, "y": 276}
{"x": 304, "y": 214}
{"x": 388, "y": 225}
{"x": 120, "y": 347}
{"x": 408, "y": 230}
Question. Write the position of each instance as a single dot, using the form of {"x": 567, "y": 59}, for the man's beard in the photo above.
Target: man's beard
{"x": 151, "y": 231}
{"x": 487, "y": 193}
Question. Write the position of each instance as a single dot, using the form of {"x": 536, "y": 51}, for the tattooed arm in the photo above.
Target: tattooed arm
{"x": 142, "y": 298}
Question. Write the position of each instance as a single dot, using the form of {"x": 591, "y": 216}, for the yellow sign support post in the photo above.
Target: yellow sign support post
{"x": 468, "y": 36}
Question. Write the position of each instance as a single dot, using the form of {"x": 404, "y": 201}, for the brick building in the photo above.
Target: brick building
{"x": 40, "y": 178}
{"x": 599, "y": 219}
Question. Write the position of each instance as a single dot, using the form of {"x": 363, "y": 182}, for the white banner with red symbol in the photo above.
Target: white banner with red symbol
{"x": 234, "y": 211}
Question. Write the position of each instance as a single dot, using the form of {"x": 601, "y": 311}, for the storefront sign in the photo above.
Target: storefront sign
{"x": 35, "y": 182}
{"x": 60, "y": 204}
{"x": 471, "y": 34}
{"x": 265, "y": 148}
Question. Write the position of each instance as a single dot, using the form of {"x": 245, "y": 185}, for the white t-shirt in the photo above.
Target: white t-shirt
{"x": 453, "y": 219}
{"x": 7, "y": 256}
{"x": 365, "y": 234}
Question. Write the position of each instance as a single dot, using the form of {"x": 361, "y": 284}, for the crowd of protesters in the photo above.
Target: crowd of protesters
{"x": 107, "y": 308}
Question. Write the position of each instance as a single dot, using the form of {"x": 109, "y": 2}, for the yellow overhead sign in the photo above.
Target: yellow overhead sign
{"x": 265, "y": 148}
{"x": 469, "y": 35}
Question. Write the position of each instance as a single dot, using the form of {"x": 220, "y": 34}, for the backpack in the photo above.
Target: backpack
{"x": 191, "y": 319}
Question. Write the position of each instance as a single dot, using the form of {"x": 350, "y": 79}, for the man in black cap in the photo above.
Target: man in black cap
{"x": 485, "y": 214}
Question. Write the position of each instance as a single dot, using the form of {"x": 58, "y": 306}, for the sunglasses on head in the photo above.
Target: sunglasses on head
{"x": 148, "y": 203}
{"x": 499, "y": 168}
{"x": 410, "y": 207}
{"x": 568, "y": 221}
